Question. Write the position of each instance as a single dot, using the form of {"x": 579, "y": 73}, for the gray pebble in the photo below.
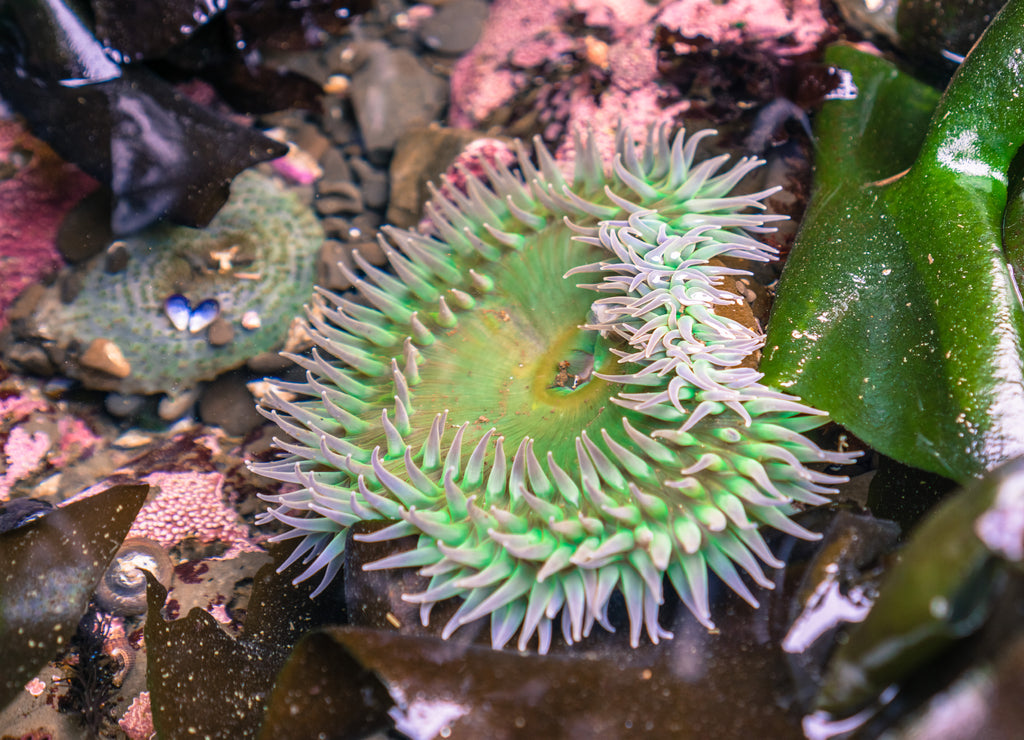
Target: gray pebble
{"x": 310, "y": 139}
{"x": 220, "y": 332}
{"x": 392, "y": 93}
{"x": 335, "y": 167}
{"x": 336, "y": 124}
{"x": 374, "y": 183}
{"x": 227, "y": 403}
{"x": 338, "y": 197}
{"x": 172, "y": 408}
{"x": 336, "y": 227}
{"x": 422, "y": 156}
{"x": 115, "y": 259}
{"x": 30, "y": 358}
{"x": 122, "y": 404}
{"x": 454, "y": 27}
{"x": 328, "y": 273}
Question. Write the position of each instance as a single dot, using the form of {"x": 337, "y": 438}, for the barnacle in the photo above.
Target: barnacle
{"x": 641, "y": 445}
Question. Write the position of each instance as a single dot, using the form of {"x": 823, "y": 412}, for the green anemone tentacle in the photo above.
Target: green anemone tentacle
{"x": 541, "y": 389}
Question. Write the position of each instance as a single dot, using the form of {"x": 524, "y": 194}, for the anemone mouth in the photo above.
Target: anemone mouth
{"x": 572, "y": 328}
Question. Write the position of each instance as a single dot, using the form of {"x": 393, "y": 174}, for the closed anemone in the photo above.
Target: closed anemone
{"x": 544, "y": 389}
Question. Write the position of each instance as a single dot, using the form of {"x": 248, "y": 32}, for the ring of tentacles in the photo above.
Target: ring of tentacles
{"x": 541, "y": 389}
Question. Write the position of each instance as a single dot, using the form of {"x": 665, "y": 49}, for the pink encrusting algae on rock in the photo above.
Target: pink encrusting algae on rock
{"x": 33, "y": 201}
{"x": 183, "y": 505}
{"x": 24, "y": 452}
{"x": 524, "y": 36}
{"x": 191, "y": 504}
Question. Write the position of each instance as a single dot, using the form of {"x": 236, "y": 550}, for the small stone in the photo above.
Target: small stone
{"x": 107, "y": 357}
{"x": 115, "y": 259}
{"x": 132, "y": 439}
{"x": 25, "y": 304}
{"x": 221, "y": 332}
{"x": 31, "y": 358}
{"x": 371, "y": 251}
{"x": 329, "y": 275}
{"x": 422, "y": 156}
{"x": 69, "y": 283}
{"x": 363, "y": 228}
{"x": 335, "y": 167}
{"x": 251, "y": 321}
{"x": 335, "y": 124}
{"x": 338, "y": 197}
{"x": 336, "y": 227}
{"x": 227, "y": 403}
{"x": 392, "y": 93}
{"x": 123, "y": 404}
{"x": 337, "y": 85}
{"x": 373, "y": 182}
{"x": 310, "y": 139}
{"x": 454, "y": 27}
{"x": 268, "y": 363}
{"x": 86, "y": 228}
{"x": 175, "y": 406}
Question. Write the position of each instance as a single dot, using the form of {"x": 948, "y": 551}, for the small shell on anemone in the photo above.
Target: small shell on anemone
{"x": 122, "y": 590}
{"x": 542, "y": 390}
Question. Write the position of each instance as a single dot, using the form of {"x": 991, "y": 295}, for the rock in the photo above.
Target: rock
{"x": 175, "y": 405}
{"x": 328, "y": 273}
{"x": 373, "y": 182}
{"x": 335, "y": 167}
{"x": 107, "y": 357}
{"x": 392, "y": 93}
{"x": 338, "y": 197}
{"x": 310, "y": 139}
{"x": 123, "y": 405}
{"x": 31, "y": 358}
{"x": 115, "y": 259}
{"x": 227, "y": 403}
{"x": 454, "y": 27}
{"x": 221, "y": 332}
{"x": 421, "y": 156}
{"x": 86, "y": 229}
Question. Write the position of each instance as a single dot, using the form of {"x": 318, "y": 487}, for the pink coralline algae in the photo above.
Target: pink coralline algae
{"x": 75, "y": 441}
{"x": 606, "y": 69}
{"x": 32, "y": 204}
{"x": 786, "y": 27}
{"x": 521, "y": 38}
{"x": 137, "y": 722}
{"x": 191, "y": 504}
{"x": 24, "y": 453}
{"x": 36, "y": 436}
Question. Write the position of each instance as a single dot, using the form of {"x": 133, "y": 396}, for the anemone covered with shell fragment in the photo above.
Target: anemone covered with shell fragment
{"x": 545, "y": 390}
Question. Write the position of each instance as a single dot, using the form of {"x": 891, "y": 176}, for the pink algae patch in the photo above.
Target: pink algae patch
{"x": 33, "y": 203}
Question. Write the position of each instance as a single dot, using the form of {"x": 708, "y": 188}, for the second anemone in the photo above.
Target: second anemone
{"x": 546, "y": 389}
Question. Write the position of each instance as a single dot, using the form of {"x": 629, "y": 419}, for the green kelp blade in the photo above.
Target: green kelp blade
{"x": 941, "y": 590}
{"x": 896, "y": 312}
{"x": 49, "y": 569}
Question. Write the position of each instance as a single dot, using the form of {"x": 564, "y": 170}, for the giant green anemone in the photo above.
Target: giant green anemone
{"x": 552, "y": 441}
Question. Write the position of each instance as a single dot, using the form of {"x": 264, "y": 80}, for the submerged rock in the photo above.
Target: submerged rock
{"x": 152, "y": 320}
